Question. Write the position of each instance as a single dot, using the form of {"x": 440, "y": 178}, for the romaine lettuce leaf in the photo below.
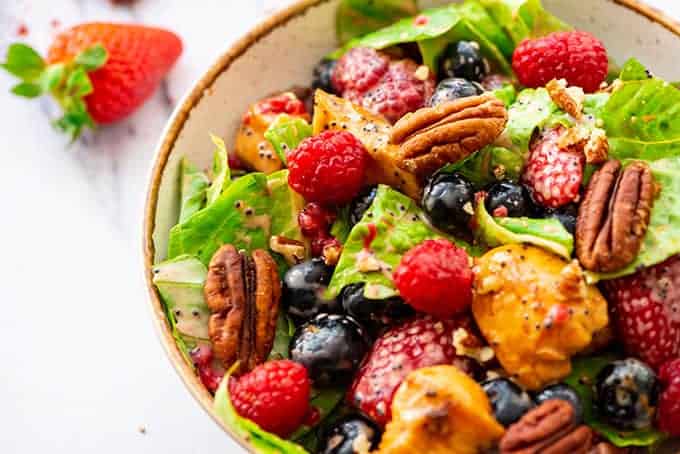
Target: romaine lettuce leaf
{"x": 285, "y": 206}
{"x": 284, "y": 333}
{"x": 193, "y": 185}
{"x": 488, "y": 165}
{"x": 341, "y": 227}
{"x": 286, "y": 133}
{"x": 359, "y": 17}
{"x": 221, "y": 174}
{"x": 507, "y": 94}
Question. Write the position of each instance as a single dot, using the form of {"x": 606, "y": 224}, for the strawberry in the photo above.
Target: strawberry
{"x": 418, "y": 343}
{"x": 99, "y": 73}
{"x": 646, "y": 310}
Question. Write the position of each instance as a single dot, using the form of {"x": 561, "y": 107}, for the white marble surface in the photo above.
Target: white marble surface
{"x": 82, "y": 368}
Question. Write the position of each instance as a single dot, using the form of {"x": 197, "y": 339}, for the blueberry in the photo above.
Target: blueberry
{"x": 349, "y": 434}
{"x": 565, "y": 392}
{"x": 323, "y": 72}
{"x": 566, "y": 215}
{"x": 509, "y": 401}
{"x": 448, "y": 200}
{"x": 454, "y": 88}
{"x": 304, "y": 286}
{"x": 330, "y": 347}
{"x": 373, "y": 312}
{"x": 626, "y": 394}
{"x": 463, "y": 59}
{"x": 508, "y": 199}
{"x": 361, "y": 203}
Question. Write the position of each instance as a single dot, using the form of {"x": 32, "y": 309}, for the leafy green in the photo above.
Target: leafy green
{"x": 359, "y": 17}
{"x": 634, "y": 70}
{"x": 262, "y": 441}
{"x": 582, "y": 379}
{"x": 325, "y": 401}
{"x": 507, "y": 93}
{"x": 399, "y": 225}
{"x": 193, "y": 186}
{"x": 220, "y": 171}
{"x": 285, "y": 206}
{"x": 286, "y": 133}
{"x": 341, "y": 227}
{"x": 23, "y": 62}
{"x": 93, "y": 58}
{"x": 548, "y": 234}
{"x": 284, "y": 333}
{"x": 488, "y": 165}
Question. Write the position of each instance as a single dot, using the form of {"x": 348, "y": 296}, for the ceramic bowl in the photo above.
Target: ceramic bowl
{"x": 281, "y": 52}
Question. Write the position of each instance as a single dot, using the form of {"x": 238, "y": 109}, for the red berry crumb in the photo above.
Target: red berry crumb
{"x": 553, "y": 175}
{"x": 315, "y": 219}
{"x": 669, "y": 400}
{"x": 646, "y": 311}
{"x": 275, "y": 395}
{"x": 328, "y": 168}
{"x": 435, "y": 277}
{"x": 576, "y": 56}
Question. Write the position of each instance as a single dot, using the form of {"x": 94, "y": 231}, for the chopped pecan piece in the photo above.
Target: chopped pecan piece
{"x": 243, "y": 292}
{"x": 446, "y": 133}
{"x": 614, "y": 216}
{"x": 547, "y": 429}
{"x": 569, "y": 99}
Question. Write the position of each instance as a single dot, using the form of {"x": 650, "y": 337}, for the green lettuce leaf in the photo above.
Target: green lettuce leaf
{"x": 284, "y": 333}
{"x": 220, "y": 171}
{"x": 634, "y": 70}
{"x": 582, "y": 379}
{"x": 262, "y": 441}
{"x": 488, "y": 165}
{"x": 548, "y": 234}
{"x": 286, "y": 133}
{"x": 399, "y": 225}
{"x": 193, "y": 186}
{"x": 358, "y": 17}
{"x": 325, "y": 401}
{"x": 507, "y": 94}
{"x": 341, "y": 227}
{"x": 285, "y": 206}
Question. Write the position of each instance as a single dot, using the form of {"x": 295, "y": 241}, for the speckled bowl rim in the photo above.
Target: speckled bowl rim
{"x": 165, "y": 146}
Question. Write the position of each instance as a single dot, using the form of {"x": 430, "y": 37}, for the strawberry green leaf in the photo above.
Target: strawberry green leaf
{"x": 78, "y": 83}
{"x": 92, "y": 58}
{"x": 27, "y": 90}
{"x": 23, "y": 62}
{"x": 52, "y": 77}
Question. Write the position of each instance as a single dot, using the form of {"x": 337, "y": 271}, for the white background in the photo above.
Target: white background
{"x": 81, "y": 368}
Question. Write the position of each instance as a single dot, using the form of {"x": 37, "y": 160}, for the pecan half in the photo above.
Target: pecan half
{"x": 614, "y": 216}
{"x": 448, "y": 132}
{"x": 547, "y": 429}
{"x": 243, "y": 292}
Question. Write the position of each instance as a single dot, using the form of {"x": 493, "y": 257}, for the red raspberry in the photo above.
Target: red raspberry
{"x": 328, "y": 168}
{"x": 435, "y": 277}
{"x": 419, "y": 343}
{"x": 358, "y": 70}
{"x": 669, "y": 399}
{"x": 552, "y": 175}
{"x": 576, "y": 56}
{"x": 275, "y": 395}
{"x": 646, "y": 310}
{"x": 285, "y": 103}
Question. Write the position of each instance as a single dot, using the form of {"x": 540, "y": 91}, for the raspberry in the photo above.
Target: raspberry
{"x": 358, "y": 70}
{"x": 275, "y": 395}
{"x": 552, "y": 175}
{"x": 646, "y": 311}
{"x": 285, "y": 103}
{"x": 418, "y": 343}
{"x": 435, "y": 277}
{"x": 669, "y": 399}
{"x": 328, "y": 168}
{"x": 576, "y": 56}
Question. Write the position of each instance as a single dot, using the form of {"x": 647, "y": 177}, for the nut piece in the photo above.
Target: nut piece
{"x": 547, "y": 429}
{"x": 449, "y": 132}
{"x": 569, "y": 99}
{"x": 614, "y": 216}
{"x": 244, "y": 293}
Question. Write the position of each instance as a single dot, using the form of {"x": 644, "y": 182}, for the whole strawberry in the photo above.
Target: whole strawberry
{"x": 576, "y": 56}
{"x": 419, "y": 343}
{"x": 553, "y": 175}
{"x": 275, "y": 395}
{"x": 669, "y": 400}
{"x": 98, "y": 73}
{"x": 646, "y": 310}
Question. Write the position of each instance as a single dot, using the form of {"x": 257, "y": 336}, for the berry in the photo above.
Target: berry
{"x": 448, "y": 200}
{"x": 464, "y": 59}
{"x": 508, "y": 199}
{"x": 360, "y": 204}
{"x": 202, "y": 357}
{"x": 576, "y": 56}
{"x": 304, "y": 286}
{"x": 349, "y": 435}
{"x": 373, "y": 312}
{"x": 452, "y": 89}
{"x": 315, "y": 220}
{"x": 552, "y": 175}
{"x": 330, "y": 347}
{"x": 646, "y": 311}
{"x": 415, "y": 344}
{"x": 669, "y": 400}
{"x": 275, "y": 395}
{"x": 627, "y": 394}
{"x": 323, "y": 74}
{"x": 508, "y": 401}
{"x": 328, "y": 168}
{"x": 285, "y": 103}
{"x": 435, "y": 277}
{"x": 358, "y": 70}
{"x": 564, "y": 392}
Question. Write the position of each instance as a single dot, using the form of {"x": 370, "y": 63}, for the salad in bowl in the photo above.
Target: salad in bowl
{"x": 462, "y": 236}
